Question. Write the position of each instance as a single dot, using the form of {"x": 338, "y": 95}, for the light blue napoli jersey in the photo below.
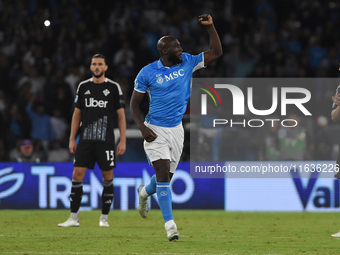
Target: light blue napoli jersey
{"x": 168, "y": 89}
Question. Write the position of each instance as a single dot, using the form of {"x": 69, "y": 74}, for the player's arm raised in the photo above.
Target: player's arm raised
{"x": 121, "y": 147}
{"x": 147, "y": 133}
{"x": 76, "y": 118}
{"x": 215, "y": 50}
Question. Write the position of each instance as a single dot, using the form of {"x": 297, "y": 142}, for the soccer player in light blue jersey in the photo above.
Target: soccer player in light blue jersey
{"x": 167, "y": 82}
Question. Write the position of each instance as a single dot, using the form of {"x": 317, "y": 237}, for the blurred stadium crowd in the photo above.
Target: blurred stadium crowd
{"x": 41, "y": 66}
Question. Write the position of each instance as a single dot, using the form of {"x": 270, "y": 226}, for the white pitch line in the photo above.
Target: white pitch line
{"x": 137, "y": 253}
{"x": 284, "y": 237}
{"x": 50, "y": 252}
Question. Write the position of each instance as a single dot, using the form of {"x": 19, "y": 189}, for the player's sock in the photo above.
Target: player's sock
{"x": 75, "y": 197}
{"x": 107, "y": 196}
{"x": 103, "y": 217}
{"x": 165, "y": 200}
{"x": 74, "y": 216}
{"x": 151, "y": 187}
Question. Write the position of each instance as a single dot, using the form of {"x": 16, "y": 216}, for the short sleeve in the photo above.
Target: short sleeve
{"x": 78, "y": 99}
{"x": 196, "y": 61}
{"x": 141, "y": 84}
{"x": 119, "y": 101}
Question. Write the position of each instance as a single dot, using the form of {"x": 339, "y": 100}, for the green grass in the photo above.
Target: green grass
{"x": 202, "y": 232}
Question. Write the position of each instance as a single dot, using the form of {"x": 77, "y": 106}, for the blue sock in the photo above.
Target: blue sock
{"x": 151, "y": 187}
{"x": 165, "y": 200}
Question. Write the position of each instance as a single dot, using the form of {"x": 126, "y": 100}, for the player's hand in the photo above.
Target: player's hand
{"x": 148, "y": 134}
{"x": 72, "y": 146}
{"x": 336, "y": 99}
{"x": 205, "y": 19}
{"x": 121, "y": 148}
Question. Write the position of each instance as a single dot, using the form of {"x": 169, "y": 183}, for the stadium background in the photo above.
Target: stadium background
{"x": 269, "y": 39}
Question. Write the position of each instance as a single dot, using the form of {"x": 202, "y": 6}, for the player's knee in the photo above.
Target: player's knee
{"x": 107, "y": 175}
{"x": 162, "y": 169}
{"x": 78, "y": 173}
{"x": 162, "y": 175}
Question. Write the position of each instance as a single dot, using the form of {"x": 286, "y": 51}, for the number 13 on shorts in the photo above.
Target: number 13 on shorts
{"x": 110, "y": 155}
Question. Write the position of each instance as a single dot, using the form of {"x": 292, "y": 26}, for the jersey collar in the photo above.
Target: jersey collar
{"x": 92, "y": 79}
{"x": 160, "y": 64}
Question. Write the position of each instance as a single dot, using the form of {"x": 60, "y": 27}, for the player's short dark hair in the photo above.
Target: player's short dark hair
{"x": 99, "y": 56}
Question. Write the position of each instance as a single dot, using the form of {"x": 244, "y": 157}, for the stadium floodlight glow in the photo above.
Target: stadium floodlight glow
{"x": 47, "y": 23}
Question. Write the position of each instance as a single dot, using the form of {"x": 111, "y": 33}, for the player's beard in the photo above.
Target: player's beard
{"x": 99, "y": 75}
{"x": 174, "y": 58}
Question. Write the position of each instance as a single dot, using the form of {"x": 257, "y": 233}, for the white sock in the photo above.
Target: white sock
{"x": 143, "y": 193}
{"x": 103, "y": 217}
{"x": 74, "y": 216}
{"x": 169, "y": 224}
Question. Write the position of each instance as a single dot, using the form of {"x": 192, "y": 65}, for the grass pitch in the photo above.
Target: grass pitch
{"x": 202, "y": 232}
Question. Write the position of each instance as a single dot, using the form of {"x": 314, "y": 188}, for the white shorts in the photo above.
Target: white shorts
{"x": 167, "y": 145}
